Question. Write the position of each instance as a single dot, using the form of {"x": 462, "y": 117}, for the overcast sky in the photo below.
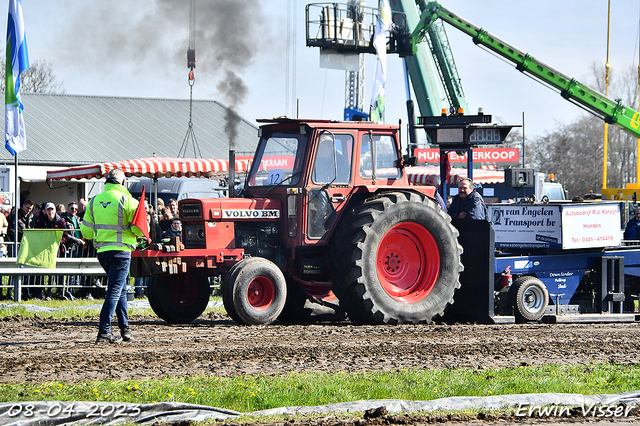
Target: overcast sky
{"x": 138, "y": 48}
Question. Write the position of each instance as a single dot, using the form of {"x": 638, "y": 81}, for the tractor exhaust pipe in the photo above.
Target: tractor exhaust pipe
{"x": 232, "y": 173}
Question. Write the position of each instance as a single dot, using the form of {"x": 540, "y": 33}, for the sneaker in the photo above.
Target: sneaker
{"x": 108, "y": 338}
{"x": 89, "y": 297}
{"x": 126, "y": 334}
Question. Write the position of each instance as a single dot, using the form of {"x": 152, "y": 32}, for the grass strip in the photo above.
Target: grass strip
{"x": 252, "y": 393}
{"x": 79, "y": 308}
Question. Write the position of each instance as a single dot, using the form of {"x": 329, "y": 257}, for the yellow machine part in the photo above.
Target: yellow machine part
{"x": 630, "y": 193}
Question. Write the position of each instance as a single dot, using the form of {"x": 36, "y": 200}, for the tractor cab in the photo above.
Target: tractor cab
{"x": 316, "y": 167}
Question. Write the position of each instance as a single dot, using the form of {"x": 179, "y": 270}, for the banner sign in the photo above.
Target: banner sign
{"x": 501, "y": 157}
{"x": 526, "y": 226}
{"x": 555, "y": 226}
{"x": 591, "y": 225}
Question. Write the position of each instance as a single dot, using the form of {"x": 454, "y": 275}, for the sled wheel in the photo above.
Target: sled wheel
{"x": 397, "y": 261}
{"x": 307, "y": 304}
{"x": 179, "y": 299}
{"x": 529, "y": 298}
{"x": 254, "y": 291}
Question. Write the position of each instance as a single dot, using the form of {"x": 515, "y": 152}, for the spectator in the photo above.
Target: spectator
{"x": 165, "y": 221}
{"x": 82, "y": 205}
{"x": 38, "y": 212}
{"x": 468, "y": 204}
{"x": 173, "y": 206}
{"x": 74, "y": 249}
{"x": 4, "y": 228}
{"x": 632, "y": 231}
{"x": 52, "y": 220}
{"x": 175, "y": 230}
{"x": 73, "y": 220}
{"x": 25, "y": 221}
{"x": 434, "y": 180}
{"x": 60, "y": 208}
{"x": 155, "y": 232}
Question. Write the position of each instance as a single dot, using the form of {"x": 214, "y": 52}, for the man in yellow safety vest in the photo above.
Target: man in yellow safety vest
{"x": 108, "y": 220}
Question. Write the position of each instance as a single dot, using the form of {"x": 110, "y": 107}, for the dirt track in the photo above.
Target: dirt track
{"x": 39, "y": 350}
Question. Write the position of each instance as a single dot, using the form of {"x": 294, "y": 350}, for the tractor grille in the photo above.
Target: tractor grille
{"x": 191, "y": 211}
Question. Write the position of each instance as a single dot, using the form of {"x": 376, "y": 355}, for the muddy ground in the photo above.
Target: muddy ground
{"x": 40, "y": 350}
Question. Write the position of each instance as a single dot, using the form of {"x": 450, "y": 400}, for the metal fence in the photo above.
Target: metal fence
{"x": 78, "y": 274}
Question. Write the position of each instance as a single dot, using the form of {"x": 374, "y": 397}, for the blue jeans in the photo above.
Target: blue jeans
{"x": 117, "y": 270}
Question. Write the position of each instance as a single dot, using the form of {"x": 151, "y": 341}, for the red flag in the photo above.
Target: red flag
{"x": 445, "y": 160}
{"x": 140, "y": 217}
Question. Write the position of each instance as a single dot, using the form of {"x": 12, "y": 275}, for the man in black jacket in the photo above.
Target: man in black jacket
{"x": 468, "y": 204}
{"x": 25, "y": 221}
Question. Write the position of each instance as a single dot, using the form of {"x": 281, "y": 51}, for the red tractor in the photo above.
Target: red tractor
{"x": 327, "y": 224}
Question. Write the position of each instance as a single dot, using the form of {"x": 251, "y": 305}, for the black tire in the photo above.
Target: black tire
{"x": 529, "y": 298}
{"x": 227, "y": 292}
{"x": 302, "y": 308}
{"x": 397, "y": 260}
{"x": 152, "y": 289}
{"x": 179, "y": 299}
{"x": 254, "y": 291}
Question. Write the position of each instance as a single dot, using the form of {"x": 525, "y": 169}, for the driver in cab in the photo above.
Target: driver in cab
{"x": 327, "y": 158}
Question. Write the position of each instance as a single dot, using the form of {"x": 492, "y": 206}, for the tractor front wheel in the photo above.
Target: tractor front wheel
{"x": 254, "y": 291}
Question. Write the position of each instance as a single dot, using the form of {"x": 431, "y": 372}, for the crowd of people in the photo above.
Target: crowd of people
{"x": 48, "y": 215}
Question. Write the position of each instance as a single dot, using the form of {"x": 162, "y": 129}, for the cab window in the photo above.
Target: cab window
{"x": 333, "y": 159}
{"x": 385, "y": 157}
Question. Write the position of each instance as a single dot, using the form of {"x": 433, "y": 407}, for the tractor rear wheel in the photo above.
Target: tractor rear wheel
{"x": 397, "y": 261}
{"x": 179, "y": 299}
{"x": 529, "y": 298}
{"x": 254, "y": 291}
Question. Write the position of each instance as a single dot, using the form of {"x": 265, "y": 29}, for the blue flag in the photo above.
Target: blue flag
{"x": 17, "y": 62}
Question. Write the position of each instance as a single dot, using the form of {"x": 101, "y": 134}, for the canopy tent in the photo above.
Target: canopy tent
{"x": 418, "y": 175}
{"x": 152, "y": 167}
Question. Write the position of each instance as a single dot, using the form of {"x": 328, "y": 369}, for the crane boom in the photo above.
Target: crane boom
{"x": 613, "y": 112}
{"x": 446, "y": 66}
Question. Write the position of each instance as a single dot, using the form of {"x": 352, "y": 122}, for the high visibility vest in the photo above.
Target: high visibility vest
{"x": 108, "y": 217}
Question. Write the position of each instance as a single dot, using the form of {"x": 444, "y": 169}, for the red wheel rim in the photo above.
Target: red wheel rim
{"x": 408, "y": 262}
{"x": 184, "y": 290}
{"x": 261, "y": 293}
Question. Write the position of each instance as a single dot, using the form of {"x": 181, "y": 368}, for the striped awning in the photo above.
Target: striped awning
{"x": 152, "y": 167}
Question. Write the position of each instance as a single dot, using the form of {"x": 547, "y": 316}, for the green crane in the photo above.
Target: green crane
{"x": 613, "y": 112}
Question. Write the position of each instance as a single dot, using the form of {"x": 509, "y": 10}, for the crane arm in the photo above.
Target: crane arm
{"x": 613, "y": 112}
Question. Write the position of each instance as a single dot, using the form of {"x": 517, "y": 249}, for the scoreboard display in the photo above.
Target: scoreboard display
{"x": 469, "y": 135}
